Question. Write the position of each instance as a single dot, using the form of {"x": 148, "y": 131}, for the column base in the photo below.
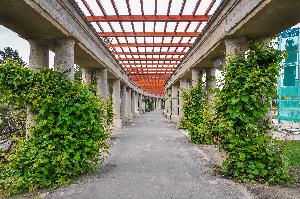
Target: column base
{"x": 168, "y": 115}
{"x": 117, "y": 124}
{"x": 130, "y": 117}
{"x": 174, "y": 118}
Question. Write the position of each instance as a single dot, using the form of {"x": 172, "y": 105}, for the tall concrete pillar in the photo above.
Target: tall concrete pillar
{"x": 124, "y": 104}
{"x": 117, "y": 123}
{"x": 133, "y": 103}
{"x": 129, "y": 106}
{"x": 168, "y": 99}
{"x": 174, "y": 114}
{"x": 64, "y": 57}
{"x": 87, "y": 75}
{"x": 140, "y": 104}
{"x": 236, "y": 46}
{"x": 38, "y": 55}
{"x": 158, "y": 104}
{"x": 143, "y": 104}
{"x": 102, "y": 82}
{"x": 136, "y": 109}
{"x": 197, "y": 75}
{"x": 210, "y": 84}
{"x": 183, "y": 85}
{"x": 38, "y": 58}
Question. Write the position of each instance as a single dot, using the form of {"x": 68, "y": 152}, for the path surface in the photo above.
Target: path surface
{"x": 151, "y": 159}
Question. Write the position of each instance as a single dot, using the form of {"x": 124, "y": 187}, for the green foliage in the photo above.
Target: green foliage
{"x": 9, "y": 53}
{"x": 68, "y": 135}
{"x": 108, "y": 104}
{"x": 241, "y": 123}
{"x": 149, "y": 104}
{"x": 294, "y": 153}
{"x": 196, "y": 117}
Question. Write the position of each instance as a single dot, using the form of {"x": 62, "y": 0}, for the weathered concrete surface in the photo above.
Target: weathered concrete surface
{"x": 151, "y": 159}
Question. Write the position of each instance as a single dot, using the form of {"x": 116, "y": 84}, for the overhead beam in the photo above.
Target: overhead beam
{"x": 149, "y": 64}
{"x": 150, "y": 45}
{"x": 149, "y": 34}
{"x": 149, "y": 59}
{"x": 149, "y": 53}
{"x": 144, "y": 18}
{"x": 149, "y": 67}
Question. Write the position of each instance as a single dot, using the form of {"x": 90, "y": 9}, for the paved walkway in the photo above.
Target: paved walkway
{"x": 151, "y": 159}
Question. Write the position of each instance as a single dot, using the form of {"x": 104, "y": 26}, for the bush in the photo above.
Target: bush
{"x": 241, "y": 117}
{"x": 196, "y": 117}
{"x": 68, "y": 135}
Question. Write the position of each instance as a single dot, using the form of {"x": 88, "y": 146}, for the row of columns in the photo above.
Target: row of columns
{"x": 173, "y": 95}
{"x": 127, "y": 103}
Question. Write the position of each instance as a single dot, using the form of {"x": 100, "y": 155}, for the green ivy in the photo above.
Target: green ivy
{"x": 241, "y": 117}
{"x": 196, "y": 117}
{"x": 69, "y": 132}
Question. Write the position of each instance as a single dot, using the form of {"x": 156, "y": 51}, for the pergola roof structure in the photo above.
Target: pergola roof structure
{"x": 149, "y": 38}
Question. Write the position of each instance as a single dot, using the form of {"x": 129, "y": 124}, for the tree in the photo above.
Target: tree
{"x": 9, "y": 53}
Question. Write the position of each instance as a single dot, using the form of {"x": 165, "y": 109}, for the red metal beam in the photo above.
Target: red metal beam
{"x": 149, "y": 53}
{"x": 149, "y": 59}
{"x": 149, "y": 67}
{"x": 150, "y": 45}
{"x": 145, "y": 18}
{"x": 149, "y": 64}
{"x": 149, "y": 34}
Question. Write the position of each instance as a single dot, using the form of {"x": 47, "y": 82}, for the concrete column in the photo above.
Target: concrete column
{"x": 143, "y": 104}
{"x": 117, "y": 123}
{"x": 236, "y": 46}
{"x": 102, "y": 83}
{"x": 38, "y": 58}
{"x": 168, "y": 103}
{"x": 183, "y": 85}
{"x": 87, "y": 75}
{"x": 210, "y": 84}
{"x": 124, "y": 104}
{"x": 174, "y": 114}
{"x": 159, "y": 104}
{"x": 140, "y": 104}
{"x": 64, "y": 57}
{"x": 129, "y": 109}
{"x": 136, "y": 108}
{"x": 133, "y": 103}
{"x": 38, "y": 55}
{"x": 197, "y": 75}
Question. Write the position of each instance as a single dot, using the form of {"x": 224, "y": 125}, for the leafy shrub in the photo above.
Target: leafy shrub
{"x": 196, "y": 117}
{"x": 68, "y": 135}
{"x": 241, "y": 122}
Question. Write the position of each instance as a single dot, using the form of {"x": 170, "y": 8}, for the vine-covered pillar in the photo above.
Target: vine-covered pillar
{"x": 87, "y": 75}
{"x": 38, "y": 58}
{"x": 183, "y": 85}
{"x": 210, "y": 84}
{"x": 124, "y": 103}
{"x": 197, "y": 74}
{"x": 129, "y": 108}
{"x": 102, "y": 82}
{"x": 117, "y": 122}
{"x": 140, "y": 104}
{"x": 64, "y": 57}
{"x": 174, "y": 114}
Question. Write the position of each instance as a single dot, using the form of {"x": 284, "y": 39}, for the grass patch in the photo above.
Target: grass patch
{"x": 294, "y": 153}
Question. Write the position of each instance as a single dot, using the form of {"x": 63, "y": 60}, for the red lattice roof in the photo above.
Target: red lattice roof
{"x": 149, "y": 38}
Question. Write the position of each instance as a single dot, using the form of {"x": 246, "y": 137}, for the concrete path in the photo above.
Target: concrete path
{"x": 151, "y": 159}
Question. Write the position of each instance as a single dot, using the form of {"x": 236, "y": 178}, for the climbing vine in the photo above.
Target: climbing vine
{"x": 196, "y": 117}
{"x": 241, "y": 119}
{"x": 68, "y": 134}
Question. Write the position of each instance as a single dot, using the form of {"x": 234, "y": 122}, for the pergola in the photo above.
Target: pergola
{"x": 149, "y": 38}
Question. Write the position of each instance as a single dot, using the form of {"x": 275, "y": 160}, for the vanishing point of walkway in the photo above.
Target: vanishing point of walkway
{"x": 150, "y": 158}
